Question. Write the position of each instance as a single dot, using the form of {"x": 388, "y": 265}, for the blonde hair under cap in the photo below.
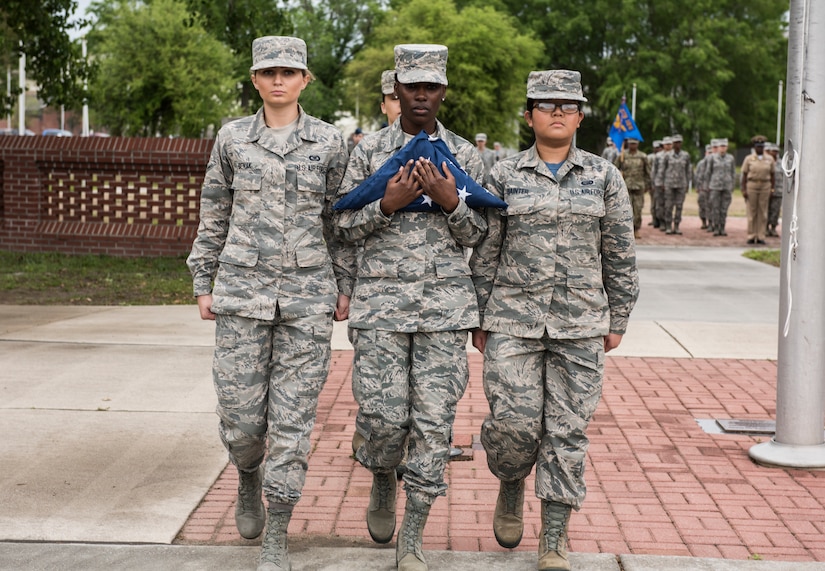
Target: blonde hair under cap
{"x": 421, "y": 63}
{"x": 278, "y": 51}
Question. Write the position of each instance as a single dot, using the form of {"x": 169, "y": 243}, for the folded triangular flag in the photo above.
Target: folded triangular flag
{"x": 434, "y": 149}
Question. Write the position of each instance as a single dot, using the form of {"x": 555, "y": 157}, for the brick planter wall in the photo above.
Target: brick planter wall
{"x": 96, "y": 195}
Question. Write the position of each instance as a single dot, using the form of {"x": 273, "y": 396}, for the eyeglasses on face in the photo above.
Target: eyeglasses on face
{"x": 550, "y": 107}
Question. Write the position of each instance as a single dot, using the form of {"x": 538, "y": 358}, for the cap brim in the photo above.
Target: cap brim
{"x": 555, "y": 95}
{"x": 420, "y": 76}
{"x": 267, "y": 63}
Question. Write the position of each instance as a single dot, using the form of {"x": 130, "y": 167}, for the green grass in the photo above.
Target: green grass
{"x": 765, "y": 256}
{"x": 51, "y": 279}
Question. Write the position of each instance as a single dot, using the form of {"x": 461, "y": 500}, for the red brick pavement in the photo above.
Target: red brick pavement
{"x": 657, "y": 483}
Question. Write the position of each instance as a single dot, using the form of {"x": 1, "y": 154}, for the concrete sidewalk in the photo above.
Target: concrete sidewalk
{"x": 114, "y": 443}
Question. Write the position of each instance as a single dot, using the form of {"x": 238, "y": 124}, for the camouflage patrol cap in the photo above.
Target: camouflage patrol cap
{"x": 677, "y": 138}
{"x": 421, "y": 63}
{"x": 278, "y": 51}
{"x": 722, "y": 142}
{"x": 555, "y": 84}
{"x": 667, "y": 141}
{"x": 657, "y": 143}
{"x": 481, "y": 136}
{"x": 388, "y": 81}
{"x": 629, "y": 140}
{"x": 709, "y": 147}
{"x": 714, "y": 143}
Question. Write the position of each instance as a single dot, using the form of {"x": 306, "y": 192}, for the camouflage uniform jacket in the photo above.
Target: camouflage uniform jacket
{"x": 561, "y": 258}
{"x": 635, "y": 170}
{"x": 676, "y": 171}
{"x": 412, "y": 274}
{"x": 265, "y": 235}
{"x": 700, "y": 181}
{"x": 720, "y": 172}
{"x": 658, "y": 173}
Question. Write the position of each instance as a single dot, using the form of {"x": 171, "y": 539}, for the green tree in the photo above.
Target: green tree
{"x": 335, "y": 31}
{"x": 487, "y": 67}
{"x": 53, "y": 61}
{"x": 159, "y": 74}
{"x": 236, "y": 24}
{"x": 705, "y": 68}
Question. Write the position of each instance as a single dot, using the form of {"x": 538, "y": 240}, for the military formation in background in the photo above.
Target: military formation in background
{"x": 667, "y": 176}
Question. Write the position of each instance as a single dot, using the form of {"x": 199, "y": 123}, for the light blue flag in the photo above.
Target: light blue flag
{"x": 624, "y": 127}
{"x": 437, "y": 152}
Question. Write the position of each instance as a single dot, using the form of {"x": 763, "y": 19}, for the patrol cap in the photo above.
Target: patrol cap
{"x": 657, "y": 143}
{"x": 629, "y": 140}
{"x": 709, "y": 147}
{"x": 481, "y": 137}
{"x": 278, "y": 51}
{"x": 388, "y": 81}
{"x": 714, "y": 143}
{"x": 555, "y": 84}
{"x": 667, "y": 141}
{"x": 771, "y": 147}
{"x": 677, "y": 138}
{"x": 722, "y": 142}
{"x": 421, "y": 63}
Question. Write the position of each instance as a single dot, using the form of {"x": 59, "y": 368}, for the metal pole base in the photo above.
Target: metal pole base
{"x": 775, "y": 455}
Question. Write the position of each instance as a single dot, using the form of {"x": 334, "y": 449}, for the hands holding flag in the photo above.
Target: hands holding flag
{"x": 412, "y": 181}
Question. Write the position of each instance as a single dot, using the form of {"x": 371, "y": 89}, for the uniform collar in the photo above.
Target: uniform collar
{"x": 302, "y": 132}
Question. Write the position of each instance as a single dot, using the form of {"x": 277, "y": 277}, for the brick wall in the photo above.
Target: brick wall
{"x": 118, "y": 196}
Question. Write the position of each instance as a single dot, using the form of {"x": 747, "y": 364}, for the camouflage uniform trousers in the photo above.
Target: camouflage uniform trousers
{"x": 674, "y": 199}
{"x": 637, "y": 200}
{"x": 703, "y": 198}
{"x": 774, "y": 209}
{"x": 719, "y": 204}
{"x": 659, "y": 205}
{"x": 407, "y": 386}
{"x": 268, "y": 375}
{"x": 542, "y": 395}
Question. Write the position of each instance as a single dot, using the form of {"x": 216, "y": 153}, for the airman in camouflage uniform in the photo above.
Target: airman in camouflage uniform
{"x": 389, "y": 100}
{"x": 635, "y": 169}
{"x": 412, "y": 306}
{"x": 556, "y": 280}
{"x": 651, "y": 160}
{"x": 659, "y": 183}
{"x": 775, "y": 204}
{"x": 266, "y": 241}
{"x": 720, "y": 174}
{"x": 676, "y": 174}
{"x": 700, "y": 183}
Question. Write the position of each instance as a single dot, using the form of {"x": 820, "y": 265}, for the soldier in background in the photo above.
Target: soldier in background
{"x": 555, "y": 295}
{"x": 720, "y": 174}
{"x": 412, "y": 305}
{"x": 610, "y": 152}
{"x": 659, "y": 183}
{"x": 266, "y": 240}
{"x": 488, "y": 156}
{"x": 757, "y": 186}
{"x": 775, "y": 204}
{"x": 389, "y": 100}
{"x": 651, "y": 160}
{"x": 700, "y": 184}
{"x": 676, "y": 175}
{"x": 635, "y": 169}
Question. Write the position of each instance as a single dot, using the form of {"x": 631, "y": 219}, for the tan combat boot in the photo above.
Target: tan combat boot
{"x": 274, "y": 549}
{"x": 409, "y": 554}
{"x": 508, "y": 520}
{"x": 381, "y": 511}
{"x": 249, "y": 508}
{"x": 553, "y": 539}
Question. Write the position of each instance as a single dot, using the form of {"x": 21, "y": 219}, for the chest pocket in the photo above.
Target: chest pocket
{"x": 246, "y": 200}
{"x": 587, "y": 204}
